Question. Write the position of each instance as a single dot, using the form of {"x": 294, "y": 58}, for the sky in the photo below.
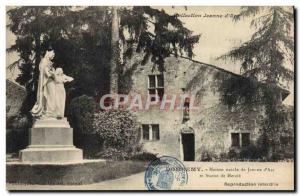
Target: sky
{"x": 219, "y": 34}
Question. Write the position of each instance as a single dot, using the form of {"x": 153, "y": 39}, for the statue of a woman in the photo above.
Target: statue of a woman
{"x": 51, "y": 94}
{"x": 60, "y": 79}
{"x": 45, "y": 105}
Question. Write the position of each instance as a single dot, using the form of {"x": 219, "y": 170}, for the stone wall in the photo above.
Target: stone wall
{"x": 15, "y": 95}
{"x": 212, "y": 123}
{"x": 16, "y": 133}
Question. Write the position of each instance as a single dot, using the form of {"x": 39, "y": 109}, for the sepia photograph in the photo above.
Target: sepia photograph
{"x": 150, "y": 98}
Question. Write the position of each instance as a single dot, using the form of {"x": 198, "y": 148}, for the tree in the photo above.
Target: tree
{"x": 82, "y": 41}
{"x": 270, "y": 47}
{"x": 263, "y": 59}
{"x": 31, "y": 25}
{"x": 115, "y": 52}
{"x": 155, "y": 33}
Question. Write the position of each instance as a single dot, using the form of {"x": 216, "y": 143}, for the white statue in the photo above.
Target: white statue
{"x": 51, "y": 95}
{"x": 60, "y": 79}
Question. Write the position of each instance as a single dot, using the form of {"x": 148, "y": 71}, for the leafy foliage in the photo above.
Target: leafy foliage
{"x": 80, "y": 113}
{"x": 28, "y": 24}
{"x": 20, "y": 121}
{"x": 144, "y": 156}
{"x": 237, "y": 91}
{"x": 114, "y": 154}
{"x": 103, "y": 133}
{"x": 155, "y": 33}
{"x": 117, "y": 128}
{"x": 81, "y": 40}
{"x": 17, "y": 132}
{"x": 270, "y": 47}
{"x": 134, "y": 153}
{"x": 278, "y": 133}
{"x": 263, "y": 59}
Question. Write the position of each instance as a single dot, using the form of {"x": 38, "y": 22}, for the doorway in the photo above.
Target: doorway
{"x": 188, "y": 144}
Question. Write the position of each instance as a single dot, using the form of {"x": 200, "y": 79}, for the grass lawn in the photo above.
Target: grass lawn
{"x": 85, "y": 173}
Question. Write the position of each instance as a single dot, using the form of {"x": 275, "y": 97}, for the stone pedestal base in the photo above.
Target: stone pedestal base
{"x": 51, "y": 122}
{"x": 51, "y": 141}
{"x": 51, "y": 155}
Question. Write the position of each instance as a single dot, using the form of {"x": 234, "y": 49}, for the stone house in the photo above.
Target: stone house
{"x": 15, "y": 95}
{"x": 16, "y": 135}
{"x": 215, "y": 128}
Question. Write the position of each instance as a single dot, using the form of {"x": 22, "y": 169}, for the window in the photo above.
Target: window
{"x": 151, "y": 132}
{"x": 155, "y": 132}
{"x": 156, "y": 86}
{"x": 186, "y": 109}
{"x": 235, "y": 139}
{"x": 145, "y": 132}
{"x": 240, "y": 139}
{"x": 160, "y": 81}
{"x": 152, "y": 83}
{"x": 245, "y": 139}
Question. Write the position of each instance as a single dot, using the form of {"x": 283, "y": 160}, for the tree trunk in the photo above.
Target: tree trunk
{"x": 270, "y": 151}
{"x": 115, "y": 52}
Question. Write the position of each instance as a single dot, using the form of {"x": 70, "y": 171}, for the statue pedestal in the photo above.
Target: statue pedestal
{"x": 51, "y": 158}
{"x": 51, "y": 141}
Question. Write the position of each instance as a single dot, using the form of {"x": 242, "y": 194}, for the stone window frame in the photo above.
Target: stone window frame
{"x": 156, "y": 88}
{"x": 186, "y": 109}
{"x": 150, "y": 132}
{"x": 240, "y": 135}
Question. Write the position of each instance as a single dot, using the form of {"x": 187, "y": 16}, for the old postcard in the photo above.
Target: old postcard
{"x": 150, "y": 98}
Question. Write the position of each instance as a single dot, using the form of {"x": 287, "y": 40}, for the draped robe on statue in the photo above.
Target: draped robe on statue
{"x": 45, "y": 102}
{"x": 60, "y": 79}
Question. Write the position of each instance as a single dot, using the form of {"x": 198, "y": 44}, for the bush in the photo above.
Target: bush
{"x": 20, "y": 121}
{"x": 117, "y": 128}
{"x": 251, "y": 152}
{"x": 232, "y": 155}
{"x": 16, "y": 140}
{"x": 144, "y": 156}
{"x": 80, "y": 113}
{"x": 206, "y": 156}
{"x": 125, "y": 154}
{"x": 114, "y": 154}
{"x": 17, "y": 132}
{"x": 110, "y": 134}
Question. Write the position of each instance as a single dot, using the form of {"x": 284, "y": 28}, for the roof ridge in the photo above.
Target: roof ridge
{"x": 214, "y": 66}
{"x": 15, "y": 83}
{"x": 230, "y": 72}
